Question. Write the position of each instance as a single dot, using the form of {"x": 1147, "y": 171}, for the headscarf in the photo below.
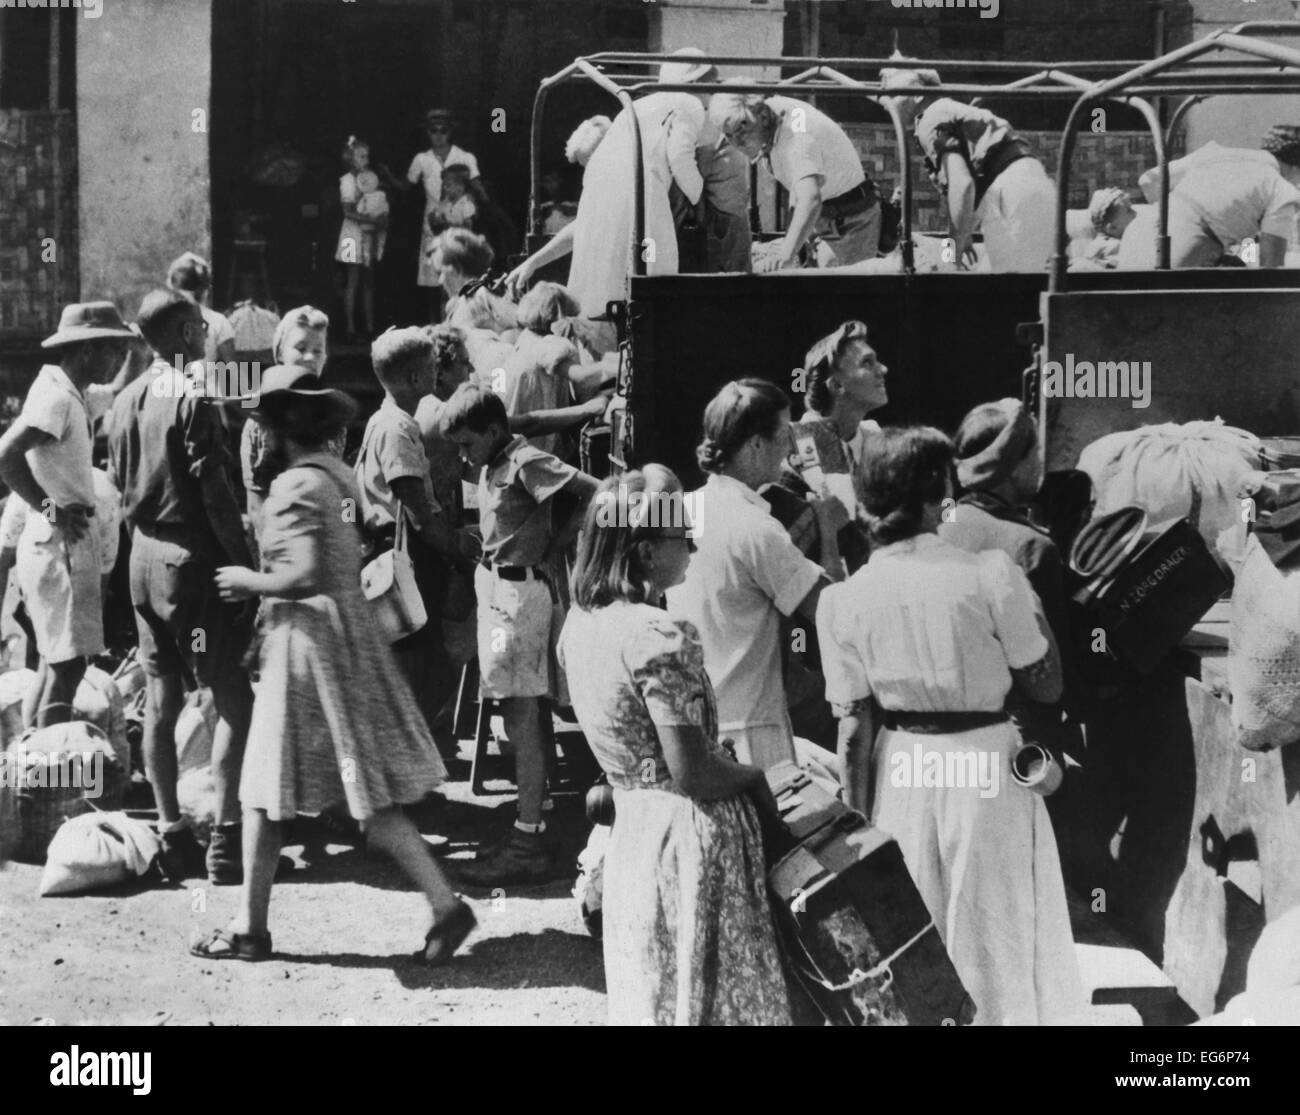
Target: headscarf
{"x": 997, "y": 460}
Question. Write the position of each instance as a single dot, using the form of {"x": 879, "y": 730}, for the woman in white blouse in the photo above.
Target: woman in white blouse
{"x": 747, "y": 573}
{"x": 601, "y": 236}
{"x": 934, "y": 638}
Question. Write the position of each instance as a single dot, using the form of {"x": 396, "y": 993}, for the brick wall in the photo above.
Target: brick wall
{"x": 38, "y": 199}
{"x": 1109, "y": 159}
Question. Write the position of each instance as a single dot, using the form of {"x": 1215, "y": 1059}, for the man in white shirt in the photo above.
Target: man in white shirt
{"x": 426, "y": 168}
{"x": 816, "y": 162}
{"x": 45, "y": 457}
{"x": 1219, "y": 198}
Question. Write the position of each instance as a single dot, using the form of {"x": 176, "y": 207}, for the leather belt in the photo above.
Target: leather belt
{"x": 941, "y": 723}
{"x": 513, "y": 572}
{"x": 850, "y": 203}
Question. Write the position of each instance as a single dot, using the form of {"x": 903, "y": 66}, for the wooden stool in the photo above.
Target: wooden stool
{"x": 257, "y": 250}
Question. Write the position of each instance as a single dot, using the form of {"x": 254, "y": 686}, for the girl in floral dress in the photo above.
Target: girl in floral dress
{"x": 333, "y": 719}
{"x": 688, "y": 934}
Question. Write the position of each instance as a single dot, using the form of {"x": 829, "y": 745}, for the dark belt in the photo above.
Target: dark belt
{"x": 941, "y": 723}
{"x": 515, "y": 572}
{"x": 849, "y": 204}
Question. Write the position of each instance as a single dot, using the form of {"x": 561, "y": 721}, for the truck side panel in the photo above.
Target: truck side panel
{"x": 1232, "y": 354}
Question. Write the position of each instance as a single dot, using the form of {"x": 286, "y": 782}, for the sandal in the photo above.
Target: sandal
{"x": 221, "y": 944}
{"x": 446, "y": 936}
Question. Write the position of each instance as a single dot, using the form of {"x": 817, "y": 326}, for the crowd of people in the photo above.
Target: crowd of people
{"x": 663, "y": 634}
{"x": 836, "y": 594}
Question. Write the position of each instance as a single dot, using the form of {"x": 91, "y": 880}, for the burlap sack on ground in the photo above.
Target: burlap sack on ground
{"x": 1264, "y": 653}
{"x": 1192, "y": 470}
{"x": 97, "y": 850}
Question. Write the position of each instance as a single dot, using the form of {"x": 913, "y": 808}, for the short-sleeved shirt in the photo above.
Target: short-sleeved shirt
{"x": 807, "y": 143}
{"x": 460, "y": 212}
{"x": 745, "y": 574}
{"x": 444, "y": 459}
{"x": 631, "y": 668}
{"x": 162, "y": 442}
{"x": 1238, "y": 195}
{"x": 391, "y": 449}
{"x": 55, "y": 407}
{"x": 986, "y": 140}
{"x": 926, "y": 627}
{"x": 219, "y": 332}
{"x": 537, "y": 378}
{"x": 426, "y": 167}
{"x": 514, "y": 497}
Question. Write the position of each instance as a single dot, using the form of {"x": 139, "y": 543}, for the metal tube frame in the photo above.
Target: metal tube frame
{"x": 1161, "y": 77}
{"x": 1140, "y": 80}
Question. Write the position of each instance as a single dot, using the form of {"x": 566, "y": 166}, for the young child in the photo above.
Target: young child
{"x": 536, "y": 376}
{"x": 392, "y": 471}
{"x": 524, "y": 523}
{"x": 457, "y": 208}
{"x": 373, "y": 203}
{"x": 331, "y": 721}
{"x": 360, "y": 241}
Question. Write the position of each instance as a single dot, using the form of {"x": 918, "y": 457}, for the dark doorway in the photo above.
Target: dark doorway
{"x": 292, "y": 79}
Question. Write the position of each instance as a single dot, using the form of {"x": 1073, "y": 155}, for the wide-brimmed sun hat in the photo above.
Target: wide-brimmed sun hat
{"x": 284, "y": 383}
{"x": 87, "y": 321}
{"x": 682, "y": 73}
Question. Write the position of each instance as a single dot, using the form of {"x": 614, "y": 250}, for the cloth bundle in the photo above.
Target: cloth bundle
{"x": 1264, "y": 653}
{"x": 97, "y": 850}
{"x": 1193, "y": 470}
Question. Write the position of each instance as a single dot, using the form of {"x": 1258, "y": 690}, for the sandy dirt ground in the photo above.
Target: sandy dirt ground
{"x": 344, "y": 928}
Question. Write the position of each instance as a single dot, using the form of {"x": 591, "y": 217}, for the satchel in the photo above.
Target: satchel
{"x": 388, "y": 582}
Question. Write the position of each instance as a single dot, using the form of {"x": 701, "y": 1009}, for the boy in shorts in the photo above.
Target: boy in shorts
{"x": 531, "y": 506}
{"x": 393, "y": 476}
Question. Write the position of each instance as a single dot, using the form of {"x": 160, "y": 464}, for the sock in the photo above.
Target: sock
{"x": 536, "y": 829}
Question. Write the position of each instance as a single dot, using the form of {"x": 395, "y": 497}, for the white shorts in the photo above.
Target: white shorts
{"x": 60, "y": 581}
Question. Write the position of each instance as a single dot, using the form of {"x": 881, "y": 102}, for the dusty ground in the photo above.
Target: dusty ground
{"x": 344, "y": 928}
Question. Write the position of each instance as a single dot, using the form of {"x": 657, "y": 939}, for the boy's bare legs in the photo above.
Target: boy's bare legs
{"x": 163, "y": 698}
{"x": 524, "y": 730}
{"x": 522, "y": 856}
{"x": 233, "y": 697}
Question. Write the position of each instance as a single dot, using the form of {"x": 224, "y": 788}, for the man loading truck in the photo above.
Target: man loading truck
{"x": 1219, "y": 198}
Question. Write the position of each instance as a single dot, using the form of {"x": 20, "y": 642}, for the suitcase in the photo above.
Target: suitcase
{"x": 804, "y": 806}
{"x": 1150, "y": 588}
{"x": 855, "y": 931}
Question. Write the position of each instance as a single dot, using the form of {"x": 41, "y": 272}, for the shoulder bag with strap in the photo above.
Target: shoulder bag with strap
{"x": 388, "y": 582}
